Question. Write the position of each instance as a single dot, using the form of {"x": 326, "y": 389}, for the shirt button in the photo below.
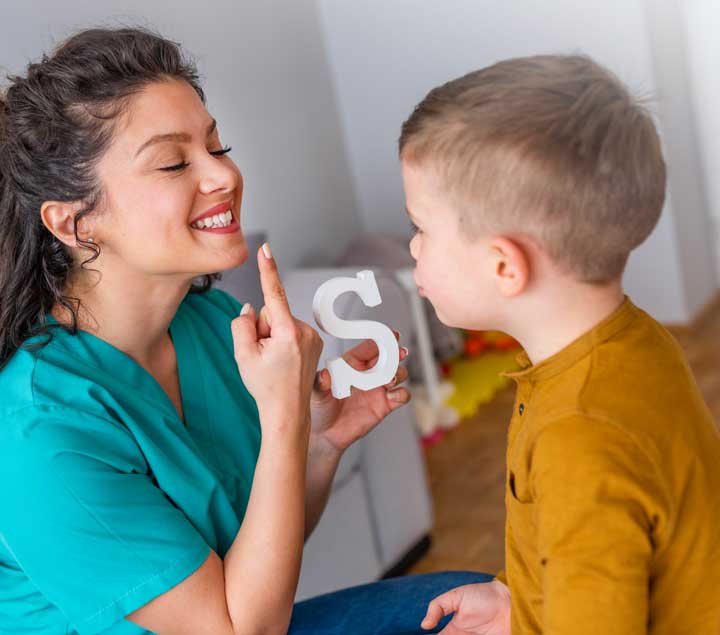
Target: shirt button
{"x": 521, "y": 408}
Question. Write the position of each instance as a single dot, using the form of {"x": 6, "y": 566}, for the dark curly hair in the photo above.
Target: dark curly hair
{"x": 55, "y": 124}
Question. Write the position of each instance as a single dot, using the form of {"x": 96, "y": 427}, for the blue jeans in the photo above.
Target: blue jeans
{"x": 390, "y": 607}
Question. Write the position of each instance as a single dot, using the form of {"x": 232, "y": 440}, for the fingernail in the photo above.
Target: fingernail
{"x": 267, "y": 251}
{"x": 396, "y": 395}
{"x": 246, "y": 309}
{"x": 406, "y": 349}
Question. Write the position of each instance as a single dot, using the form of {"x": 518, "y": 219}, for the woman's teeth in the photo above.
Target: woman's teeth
{"x": 219, "y": 220}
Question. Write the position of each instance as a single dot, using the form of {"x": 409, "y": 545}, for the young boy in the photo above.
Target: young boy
{"x": 529, "y": 183}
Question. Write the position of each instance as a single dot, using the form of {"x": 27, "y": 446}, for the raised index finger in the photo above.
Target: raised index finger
{"x": 272, "y": 288}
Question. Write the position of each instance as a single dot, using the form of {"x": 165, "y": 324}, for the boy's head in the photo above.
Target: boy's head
{"x": 534, "y": 167}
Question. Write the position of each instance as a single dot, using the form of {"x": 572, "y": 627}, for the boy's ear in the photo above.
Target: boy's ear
{"x": 511, "y": 266}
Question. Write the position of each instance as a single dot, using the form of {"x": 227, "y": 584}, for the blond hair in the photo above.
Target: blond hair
{"x": 553, "y": 147}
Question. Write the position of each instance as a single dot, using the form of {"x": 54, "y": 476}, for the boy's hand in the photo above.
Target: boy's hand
{"x": 480, "y": 609}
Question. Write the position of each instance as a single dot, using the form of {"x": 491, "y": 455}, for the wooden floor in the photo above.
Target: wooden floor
{"x": 466, "y": 469}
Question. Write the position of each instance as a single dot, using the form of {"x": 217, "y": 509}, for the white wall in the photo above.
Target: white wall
{"x": 687, "y": 191}
{"x": 702, "y": 24}
{"x": 268, "y": 85}
{"x": 385, "y": 56}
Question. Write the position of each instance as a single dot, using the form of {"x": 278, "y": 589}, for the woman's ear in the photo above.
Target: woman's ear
{"x": 59, "y": 217}
{"x": 511, "y": 266}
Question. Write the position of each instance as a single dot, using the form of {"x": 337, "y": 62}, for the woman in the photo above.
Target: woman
{"x": 163, "y": 453}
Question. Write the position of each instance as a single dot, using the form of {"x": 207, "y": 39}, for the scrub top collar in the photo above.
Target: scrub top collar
{"x": 109, "y": 359}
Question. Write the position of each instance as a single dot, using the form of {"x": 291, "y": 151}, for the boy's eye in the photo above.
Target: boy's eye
{"x": 184, "y": 164}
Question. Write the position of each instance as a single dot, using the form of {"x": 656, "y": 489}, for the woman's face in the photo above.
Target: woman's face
{"x": 164, "y": 170}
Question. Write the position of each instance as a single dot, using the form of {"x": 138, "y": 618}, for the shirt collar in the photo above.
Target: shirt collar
{"x": 577, "y": 350}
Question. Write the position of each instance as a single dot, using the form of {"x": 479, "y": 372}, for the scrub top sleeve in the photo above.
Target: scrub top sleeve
{"x": 84, "y": 519}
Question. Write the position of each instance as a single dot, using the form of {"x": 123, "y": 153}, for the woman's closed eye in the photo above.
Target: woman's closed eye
{"x": 184, "y": 164}
{"x": 414, "y": 228}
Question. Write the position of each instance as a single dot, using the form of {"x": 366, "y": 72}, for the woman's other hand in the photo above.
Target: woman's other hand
{"x": 341, "y": 422}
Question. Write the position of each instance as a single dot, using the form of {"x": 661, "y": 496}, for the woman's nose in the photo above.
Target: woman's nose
{"x": 219, "y": 175}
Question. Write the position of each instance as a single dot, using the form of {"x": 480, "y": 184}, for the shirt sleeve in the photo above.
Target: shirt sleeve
{"x": 82, "y": 516}
{"x": 596, "y": 496}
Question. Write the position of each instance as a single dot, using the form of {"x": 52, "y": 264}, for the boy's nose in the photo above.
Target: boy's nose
{"x": 413, "y": 248}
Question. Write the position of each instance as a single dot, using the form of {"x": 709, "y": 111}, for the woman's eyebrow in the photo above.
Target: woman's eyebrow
{"x": 182, "y": 137}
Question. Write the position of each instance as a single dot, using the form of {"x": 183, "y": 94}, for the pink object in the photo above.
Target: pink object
{"x": 433, "y": 439}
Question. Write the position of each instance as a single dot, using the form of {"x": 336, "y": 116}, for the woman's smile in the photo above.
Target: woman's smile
{"x": 217, "y": 220}
{"x": 218, "y": 224}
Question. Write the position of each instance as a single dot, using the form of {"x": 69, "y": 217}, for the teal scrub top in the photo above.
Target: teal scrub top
{"x": 107, "y": 499}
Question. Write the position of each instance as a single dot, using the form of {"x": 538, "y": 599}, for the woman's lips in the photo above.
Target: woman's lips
{"x": 218, "y": 209}
{"x": 231, "y": 228}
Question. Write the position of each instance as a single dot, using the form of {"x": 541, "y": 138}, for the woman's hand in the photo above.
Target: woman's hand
{"x": 337, "y": 423}
{"x": 276, "y": 354}
{"x": 341, "y": 422}
{"x": 480, "y": 609}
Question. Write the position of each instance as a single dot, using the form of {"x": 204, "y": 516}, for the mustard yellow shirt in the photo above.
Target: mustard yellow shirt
{"x": 613, "y": 489}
